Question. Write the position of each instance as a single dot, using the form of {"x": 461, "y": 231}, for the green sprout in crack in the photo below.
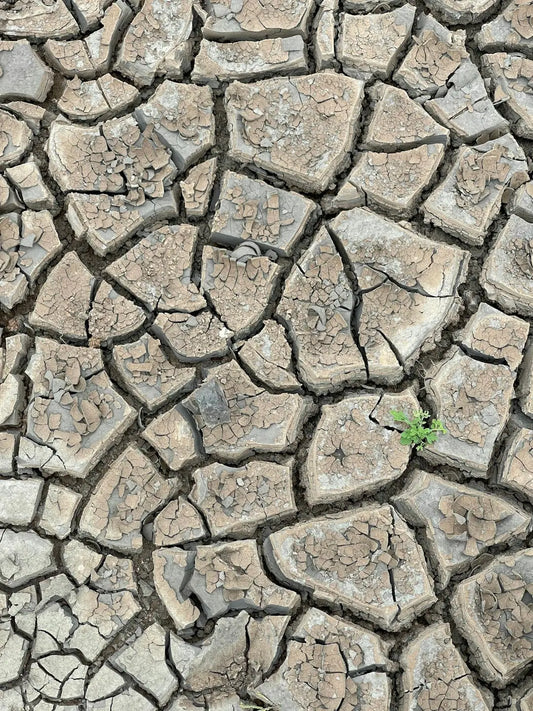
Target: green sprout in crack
{"x": 418, "y": 432}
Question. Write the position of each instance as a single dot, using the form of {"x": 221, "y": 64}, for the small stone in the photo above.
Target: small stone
{"x": 508, "y": 269}
{"x": 236, "y": 500}
{"x": 23, "y": 75}
{"x": 59, "y": 508}
{"x": 472, "y": 399}
{"x": 174, "y": 437}
{"x": 495, "y": 335}
{"x": 369, "y": 45}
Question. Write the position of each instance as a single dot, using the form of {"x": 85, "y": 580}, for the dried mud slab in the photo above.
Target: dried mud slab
{"x": 493, "y": 612}
{"x": 366, "y": 561}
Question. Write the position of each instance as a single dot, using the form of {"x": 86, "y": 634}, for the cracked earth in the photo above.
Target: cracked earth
{"x": 234, "y": 236}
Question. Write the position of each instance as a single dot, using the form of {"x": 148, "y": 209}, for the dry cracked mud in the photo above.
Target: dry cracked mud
{"x": 234, "y": 236}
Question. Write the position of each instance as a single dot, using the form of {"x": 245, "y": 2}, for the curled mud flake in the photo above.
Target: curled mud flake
{"x": 157, "y": 42}
{"x": 197, "y": 187}
{"x": 130, "y": 490}
{"x": 174, "y": 437}
{"x": 356, "y": 447}
{"x": 395, "y": 181}
{"x": 97, "y": 98}
{"x": 24, "y": 556}
{"x": 38, "y": 19}
{"x": 508, "y": 269}
{"x": 511, "y": 30}
{"x": 299, "y": 128}
{"x": 470, "y": 197}
{"x": 182, "y": 115}
{"x": 473, "y": 399}
{"x": 239, "y": 287}
{"x": 107, "y": 221}
{"x": 268, "y": 355}
{"x": 254, "y": 20}
{"x": 516, "y": 466}
{"x": 435, "y": 54}
{"x": 435, "y": 676}
{"x": 147, "y": 372}
{"x": 23, "y": 75}
{"x": 91, "y": 56}
{"x": 369, "y": 45}
{"x": 460, "y": 522}
{"x": 492, "y": 334}
{"x": 75, "y": 414}
{"x": 15, "y": 139}
{"x": 494, "y": 614}
{"x": 521, "y": 202}
{"x": 466, "y": 108}
{"x": 28, "y": 181}
{"x": 317, "y": 304}
{"x": 179, "y": 522}
{"x": 144, "y": 659}
{"x": 237, "y": 418}
{"x": 168, "y": 289}
{"x": 236, "y": 500}
{"x": 398, "y": 121}
{"x": 217, "y": 62}
{"x": 64, "y": 301}
{"x": 193, "y": 337}
{"x": 112, "y": 316}
{"x": 252, "y": 210}
{"x": 366, "y": 560}
{"x": 512, "y": 80}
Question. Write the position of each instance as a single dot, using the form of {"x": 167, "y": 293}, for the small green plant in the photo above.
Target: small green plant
{"x": 418, "y": 432}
